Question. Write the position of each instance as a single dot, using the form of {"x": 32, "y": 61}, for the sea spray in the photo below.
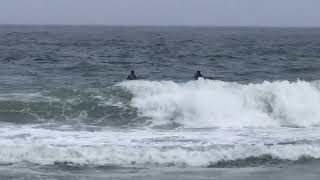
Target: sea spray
{"x": 210, "y": 103}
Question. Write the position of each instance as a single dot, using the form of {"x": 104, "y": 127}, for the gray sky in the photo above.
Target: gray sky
{"x": 162, "y": 12}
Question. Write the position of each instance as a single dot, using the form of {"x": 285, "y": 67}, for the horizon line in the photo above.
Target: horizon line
{"x": 157, "y": 25}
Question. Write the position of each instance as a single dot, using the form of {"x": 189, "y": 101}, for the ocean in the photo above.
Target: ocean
{"x": 67, "y": 111}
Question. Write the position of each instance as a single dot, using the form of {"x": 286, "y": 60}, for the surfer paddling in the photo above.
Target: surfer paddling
{"x": 132, "y": 76}
{"x": 198, "y": 75}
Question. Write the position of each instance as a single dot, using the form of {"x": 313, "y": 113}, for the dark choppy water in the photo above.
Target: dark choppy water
{"x": 67, "y": 112}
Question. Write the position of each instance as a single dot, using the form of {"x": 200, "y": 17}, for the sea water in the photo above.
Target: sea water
{"x": 68, "y": 112}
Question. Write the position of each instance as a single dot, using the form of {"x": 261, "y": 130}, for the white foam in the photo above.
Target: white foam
{"x": 120, "y": 147}
{"x": 266, "y": 108}
{"x": 207, "y": 103}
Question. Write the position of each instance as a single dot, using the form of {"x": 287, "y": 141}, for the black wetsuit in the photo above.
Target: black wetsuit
{"x": 197, "y": 76}
{"x": 132, "y": 77}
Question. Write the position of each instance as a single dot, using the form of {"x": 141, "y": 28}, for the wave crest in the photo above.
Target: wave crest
{"x": 207, "y": 103}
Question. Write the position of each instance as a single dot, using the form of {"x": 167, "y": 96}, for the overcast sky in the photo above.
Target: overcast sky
{"x": 162, "y": 12}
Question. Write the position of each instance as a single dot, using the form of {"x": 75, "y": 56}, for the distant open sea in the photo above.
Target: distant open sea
{"x": 67, "y": 111}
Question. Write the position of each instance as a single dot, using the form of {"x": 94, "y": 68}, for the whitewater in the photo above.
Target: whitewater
{"x": 209, "y": 103}
{"x": 67, "y": 112}
{"x": 204, "y": 123}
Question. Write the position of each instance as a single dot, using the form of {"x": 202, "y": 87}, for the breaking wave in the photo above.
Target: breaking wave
{"x": 209, "y": 103}
{"x": 218, "y": 148}
{"x": 193, "y": 104}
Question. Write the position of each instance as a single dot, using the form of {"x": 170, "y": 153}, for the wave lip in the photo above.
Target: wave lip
{"x": 209, "y": 103}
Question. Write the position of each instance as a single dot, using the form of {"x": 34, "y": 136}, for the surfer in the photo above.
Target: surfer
{"x": 132, "y": 76}
{"x": 198, "y": 75}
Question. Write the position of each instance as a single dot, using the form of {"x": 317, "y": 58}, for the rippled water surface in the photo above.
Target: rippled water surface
{"x": 67, "y": 112}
